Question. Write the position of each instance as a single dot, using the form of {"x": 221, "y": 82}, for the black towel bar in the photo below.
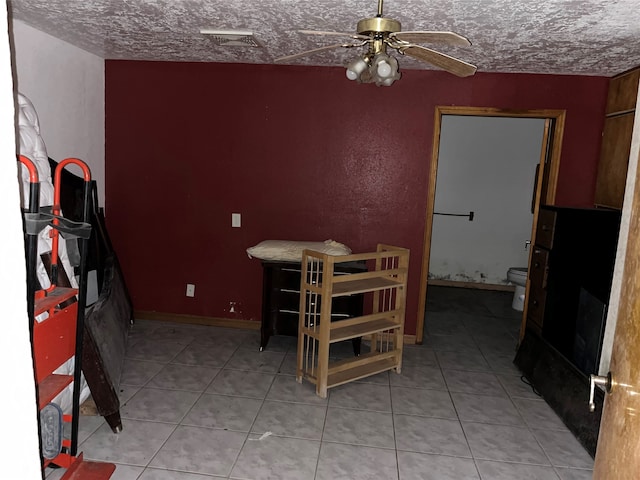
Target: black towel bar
{"x": 470, "y": 215}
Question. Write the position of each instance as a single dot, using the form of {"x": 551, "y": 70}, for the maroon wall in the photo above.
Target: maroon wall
{"x": 302, "y": 154}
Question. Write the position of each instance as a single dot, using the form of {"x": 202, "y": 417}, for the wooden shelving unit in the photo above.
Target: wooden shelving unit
{"x": 384, "y": 286}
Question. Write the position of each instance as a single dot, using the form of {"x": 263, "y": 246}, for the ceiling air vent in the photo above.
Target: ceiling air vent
{"x": 231, "y": 38}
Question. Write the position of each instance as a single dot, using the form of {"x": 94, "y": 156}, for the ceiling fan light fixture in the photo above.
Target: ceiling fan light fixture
{"x": 381, "y": 69}
{"x": 356, "y": 67}
{"x": 385, "y": 70}
{"x": 382, "y": 65}
{"x": 379, "y": 34}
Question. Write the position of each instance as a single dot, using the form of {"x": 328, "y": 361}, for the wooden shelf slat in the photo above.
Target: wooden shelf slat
{"x": 358, "y": 326}
{"x": 366, "y": 327}
{"x": 374, "y": 363}
{"x": 365, "y": 285}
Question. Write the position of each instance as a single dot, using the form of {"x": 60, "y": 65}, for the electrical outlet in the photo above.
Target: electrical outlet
{"x": 236, "y": 220}
{"x": 191, "y": 290}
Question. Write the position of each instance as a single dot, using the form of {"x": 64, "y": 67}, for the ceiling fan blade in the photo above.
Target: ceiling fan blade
{"x": 315, "y": 50}
{"x": 445, "y": 62}
{"x": 447, "y": 38}
{"x": 334, "y": 34}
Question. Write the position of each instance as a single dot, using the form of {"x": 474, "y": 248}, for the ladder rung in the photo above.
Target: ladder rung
{"x": 53, "y": 298}
{"x": 51, "y": 386}
{"x": 87, "y": 470}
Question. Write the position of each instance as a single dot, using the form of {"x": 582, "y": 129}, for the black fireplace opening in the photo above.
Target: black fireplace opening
{"x": 590, "y": 323}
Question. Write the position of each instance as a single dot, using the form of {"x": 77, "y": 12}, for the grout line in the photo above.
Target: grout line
{"x": 393, "y": 426}
{"x": 322, "y": 441}
{"x": 254, "y": 419}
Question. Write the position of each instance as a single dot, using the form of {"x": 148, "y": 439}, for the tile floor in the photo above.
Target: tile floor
{"x": 202, "y": 402}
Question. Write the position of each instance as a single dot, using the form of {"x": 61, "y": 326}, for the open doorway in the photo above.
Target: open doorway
{"x": 543, "y": 191}
{"x": 484, "y": 199}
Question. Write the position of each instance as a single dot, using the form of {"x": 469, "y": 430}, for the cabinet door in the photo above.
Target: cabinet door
{"x": 614, "y": 159}
{"x": 623, "y": 91}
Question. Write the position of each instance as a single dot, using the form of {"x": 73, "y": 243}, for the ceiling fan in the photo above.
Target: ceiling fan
{"x": 379, "y": 33}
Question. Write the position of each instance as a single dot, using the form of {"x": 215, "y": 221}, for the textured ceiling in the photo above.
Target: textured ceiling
{"x": 593, "y": 37}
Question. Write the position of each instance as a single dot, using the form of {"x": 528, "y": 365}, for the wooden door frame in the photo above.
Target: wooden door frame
{"x": 552, "y": 164}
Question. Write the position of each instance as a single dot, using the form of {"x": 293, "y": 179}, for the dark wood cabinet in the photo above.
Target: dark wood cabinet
{"x": 571, "y": 268}
{"x": 281, "y": 300}
{"x": 570, "y": 278}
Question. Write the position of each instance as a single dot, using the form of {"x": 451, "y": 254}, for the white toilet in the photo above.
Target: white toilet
{"x": 518, "y": 276}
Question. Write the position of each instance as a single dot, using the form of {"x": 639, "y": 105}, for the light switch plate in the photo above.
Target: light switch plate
{"x": 236, "y": 220}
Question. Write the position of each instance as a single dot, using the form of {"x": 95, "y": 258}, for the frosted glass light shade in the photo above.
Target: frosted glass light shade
{"x": 355, "y": 68}
{"x": 352, "y": 75}
{"x": 383, "y": 69}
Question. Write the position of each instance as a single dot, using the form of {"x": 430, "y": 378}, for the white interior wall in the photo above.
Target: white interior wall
{"x": 485, "y": 165}
{"x": 66, "y": 86}
{"x": 19, "y": 399}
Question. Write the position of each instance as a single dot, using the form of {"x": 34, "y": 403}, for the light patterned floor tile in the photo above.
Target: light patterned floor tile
{"x": 418, "y": 376}
{"x": 139, "y": 372}
{"x": 418, "y": 355}
{"x": 504, "y": 443}
{"x": 430, "y": 435}
{"x": 277, "y": 458}
{"x": 435, "y": 467}
{"x": 255, "y": 361}
{"x": 359, "y": 427}
{"x": 479, "y": 383}
{"x": 205, "y": 355}
{"x": 183, "y": 377}
{"x": 291, "y": 420}
{"x": 153, "y": 350}
{"x": 135, "y": 445}
{"x": 468, "y": 359}
{"x": 286, "y": 389}
{"x": 241, "y": 383}
{"x": 159, "y": 405}
{"x": 486, "y": 409}
{"x": 363, "y": 396}
{"x": 352, "y": 462}
{"x": 126, "y": 472}
{"x": 538, "y": 414}
{"x": 161, "y": 474}
{"x": 574, "y": 474}
{"x": 200, "y": 450}
{"x": 430, "y": 403}
{"x": 511, "y": 471}
{"x": 221, "y": 411}
{"x": 516, "y": 386}
{"x": 563, "y": 449}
